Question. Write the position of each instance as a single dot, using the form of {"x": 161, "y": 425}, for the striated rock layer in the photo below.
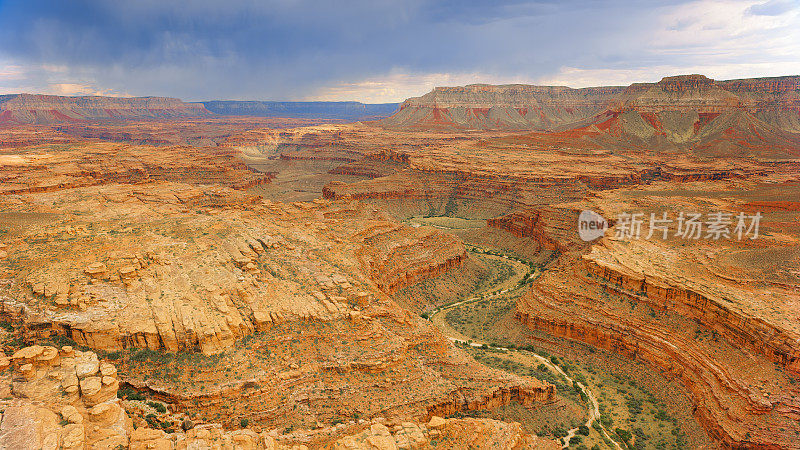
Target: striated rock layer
{"x": 288, "y": 297}
{"x": 526, "y": 107}
{"x": 68, "y": 399}
{"x": 706, "y": 312}
{"x": 46, "y": 109}
{"x": 40, "y": 169}
{"x": 515, "y": 106}
{"x": 228, "y": 306}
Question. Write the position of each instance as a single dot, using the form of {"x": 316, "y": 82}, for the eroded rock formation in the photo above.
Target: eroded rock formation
{"x": 528, "y": 107}
{"x": 226, "y": 305}
{"x": 704, "y": 312}
{"x": 68, "y": 399}
{"x": 46, "y": 109}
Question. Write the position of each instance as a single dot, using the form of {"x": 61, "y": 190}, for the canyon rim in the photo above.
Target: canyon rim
{"x": 415, "y": 256}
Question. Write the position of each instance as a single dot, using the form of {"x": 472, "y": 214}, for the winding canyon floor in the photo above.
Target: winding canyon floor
{"x": 339, "y": 285}
{"x": 721, "y": 314}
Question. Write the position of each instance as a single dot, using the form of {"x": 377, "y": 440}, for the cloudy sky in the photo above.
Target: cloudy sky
{"x": 381, "y": 50}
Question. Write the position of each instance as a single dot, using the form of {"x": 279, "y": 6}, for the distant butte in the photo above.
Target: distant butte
{"x": 540, "y": 108}
{"x": 48, "y": 109}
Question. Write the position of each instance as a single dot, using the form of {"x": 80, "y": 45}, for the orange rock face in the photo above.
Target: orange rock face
{"x": 225, "y": 305}
{"x": 706, "y": 312}
{"x": 38, "y": 169}
{"x": 719, "y": 316}
{"x": 262, "y": 322}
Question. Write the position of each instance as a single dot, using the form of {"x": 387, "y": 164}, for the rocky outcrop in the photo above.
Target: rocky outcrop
{"x": 62, "y": 398}
{"x": 529, "y": 107}
{"x": 446, "y": 434}
{"x": 553, "y": 228}
{"x": 114, "y": 301}
{"x": 396, "y": 258}
{"x": 526, "y": 395}
{"x": 68, "y": 399}
{"x": 48, "y": 109}
{"x": 514, "y": 106}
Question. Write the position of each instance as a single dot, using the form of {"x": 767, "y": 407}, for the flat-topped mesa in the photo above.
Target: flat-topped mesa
{"x": 687, "y": 93}
{"x": 512, "y": 106}
{"x": 530, "y": 107}
{"x": 509, "y": 95}
{"x": 683, "y": 83}
{"x": 48, "y": 109}
{"x": 337, "y": 111}
{"x": 683, "y": 93}
{"x": 767, "y": 85}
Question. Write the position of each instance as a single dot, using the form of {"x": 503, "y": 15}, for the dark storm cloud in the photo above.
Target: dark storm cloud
{"x": 284, "y": 49}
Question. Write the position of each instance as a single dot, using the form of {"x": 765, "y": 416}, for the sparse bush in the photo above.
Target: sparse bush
{"x": 127, "y": 393}
{"x": 158, "y": 407}
{"x": 152, "y": 421}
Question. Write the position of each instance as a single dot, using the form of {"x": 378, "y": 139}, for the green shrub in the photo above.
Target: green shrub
{"x": 157, "y": 406}
{"x": 151, "y": 420}
{"x": 127, "y": 393}
{"x": 244, "y": 423}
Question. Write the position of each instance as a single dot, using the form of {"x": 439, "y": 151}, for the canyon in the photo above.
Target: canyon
{"x": 686, "y": 142}
{"x": 268, "y": 281}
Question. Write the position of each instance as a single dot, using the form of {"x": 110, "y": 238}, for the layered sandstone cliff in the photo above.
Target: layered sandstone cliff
{"x": 228, "y": 306}
{"x": 775, "y": 101}
{"x": 47, "y": 109}
{"x": 720, "y": 316}
{"x": 60, "y": 398}
{"x": 501, "y": 107}
{"x": 70, "y": 399}
{"x": 81, "y": 164}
